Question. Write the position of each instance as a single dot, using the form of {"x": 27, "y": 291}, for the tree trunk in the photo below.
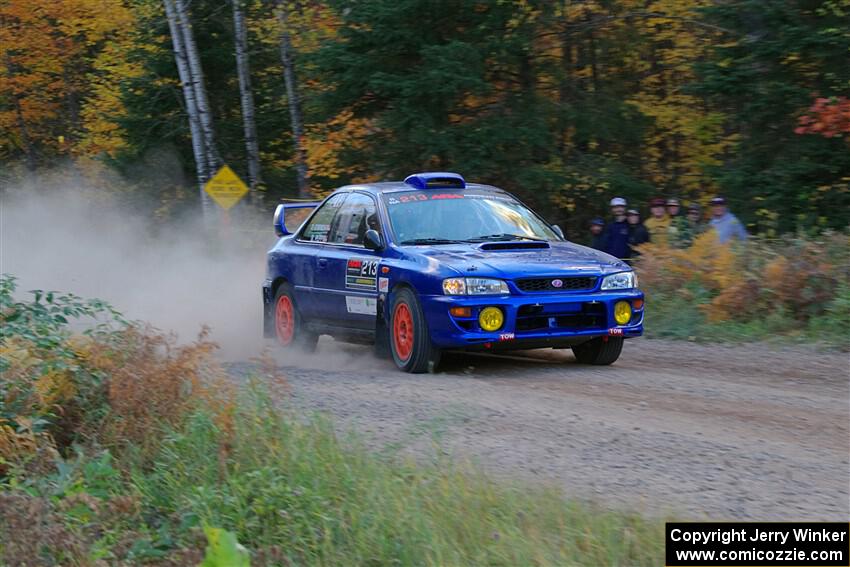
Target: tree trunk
{"x": 252, "y": 149}
{"x": 26, "y": 141}
{"x": 197, "y": 74}
{"x": 186, "y": 81}
{"x": 564, "y": 88}
{"x": 287, "y": 58}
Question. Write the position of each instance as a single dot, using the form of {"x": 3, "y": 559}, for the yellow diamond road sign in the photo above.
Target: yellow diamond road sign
{"x": 226, "y": 188}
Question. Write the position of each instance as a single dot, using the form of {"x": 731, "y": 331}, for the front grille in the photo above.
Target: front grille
{"x": 573, "y": 283}
{"x": 561, "y": 317}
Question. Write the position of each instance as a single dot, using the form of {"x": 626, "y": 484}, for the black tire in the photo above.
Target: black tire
{"x": 600, "y": 351}
{"x": 411, "y": 354}
{"x": 301, "y": 337}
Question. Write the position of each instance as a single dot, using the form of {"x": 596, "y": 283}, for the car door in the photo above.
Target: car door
{"x": 346, "y": 276}
{"x": 310, "y": 241}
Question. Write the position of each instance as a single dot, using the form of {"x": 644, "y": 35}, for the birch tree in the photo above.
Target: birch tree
{"x": 196, "y": 73}
{"x": 293, "y": 98}
{"x": 186, "y": 81}
{"x": 252, "y": 150}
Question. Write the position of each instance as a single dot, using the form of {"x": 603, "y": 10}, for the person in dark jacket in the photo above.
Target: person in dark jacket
{"x": 617, "y": 231}
{"x": 637, "y": 232}
{"x": 597, "y": 234}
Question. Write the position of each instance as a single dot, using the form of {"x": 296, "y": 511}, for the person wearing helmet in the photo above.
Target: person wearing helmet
{"x": 617, "y": 231}
{"x": 597, "y": 234}
{"x": 658, "y": 224}
{"x": 725, "y": 224}
{"x": 637, "y": 231}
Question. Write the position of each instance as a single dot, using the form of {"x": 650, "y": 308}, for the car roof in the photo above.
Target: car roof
{"x": 399, "y": 186}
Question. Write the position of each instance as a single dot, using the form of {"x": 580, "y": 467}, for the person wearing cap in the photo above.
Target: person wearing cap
{"x": 678, "y": 233}
{"x": 637, "y": 232}
{"x": 725, "y": 224}
{"x": 597, "y": 235}
{"x": 617, "y": 231}
{"x": 658, "y": 224}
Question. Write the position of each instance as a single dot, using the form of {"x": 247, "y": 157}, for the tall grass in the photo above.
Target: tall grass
{"x": 294, "y": 490}
{"x": 294, "y": 493}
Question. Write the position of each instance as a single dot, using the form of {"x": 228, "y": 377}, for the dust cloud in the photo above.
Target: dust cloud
{"x": 78, "y": 239}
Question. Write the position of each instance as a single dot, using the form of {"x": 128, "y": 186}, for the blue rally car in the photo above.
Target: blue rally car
{"x": 434, "y": 263}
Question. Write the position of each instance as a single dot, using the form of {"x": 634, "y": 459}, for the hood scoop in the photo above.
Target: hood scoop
{"x": 519, "y": 245}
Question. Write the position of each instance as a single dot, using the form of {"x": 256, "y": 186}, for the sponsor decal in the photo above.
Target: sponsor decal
{"x": 615, "y": 332}
{"x": 361, "y": 305}
{"x": 507, "y": 337}
{"x": 557, "y": 283}
{"x": 383, "y": 285}
{"x": 440, "y": 196}
{"x": 361, "y": 273}
{"x": 429, "y": 195}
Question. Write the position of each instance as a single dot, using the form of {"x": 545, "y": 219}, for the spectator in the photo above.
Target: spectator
{"x": 597, "y": 236}
{"x": 659, "y": 223}
{"x": 617, "y": 231}
{"x": 637, "y": 232}
{"x": 673, "y": 207}
{"x": 679, "y": 232}
{"x": 695, "y": 220}
{"x": 725, "y": 224}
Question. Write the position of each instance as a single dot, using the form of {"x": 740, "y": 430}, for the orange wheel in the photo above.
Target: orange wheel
{"x": 284, "y": 320}
{"x": 410, "y": 340}
{"x": 403, "y": 332}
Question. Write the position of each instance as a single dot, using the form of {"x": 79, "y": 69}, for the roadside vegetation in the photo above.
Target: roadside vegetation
{"x": 118, "y": 446}
{"x": 791, "y": 289}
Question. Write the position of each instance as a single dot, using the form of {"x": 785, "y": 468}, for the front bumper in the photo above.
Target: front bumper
{"x": 556, "y": 320}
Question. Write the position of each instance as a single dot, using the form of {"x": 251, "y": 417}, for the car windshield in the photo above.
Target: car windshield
{"x": 448, "y": 217}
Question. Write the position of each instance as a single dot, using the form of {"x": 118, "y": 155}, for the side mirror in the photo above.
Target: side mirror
{"x": 293, "y": 214}
{"x": 558, "y": 231}
{"x": 279, "y": 227}
{"x": 372, "y": 240}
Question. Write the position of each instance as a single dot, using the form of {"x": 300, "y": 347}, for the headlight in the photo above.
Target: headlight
{"x": 622, "y": 280}
{"x": 474, "y": 286}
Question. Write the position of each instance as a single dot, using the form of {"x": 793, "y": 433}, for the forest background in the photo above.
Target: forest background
{"x": 564, "y": 103}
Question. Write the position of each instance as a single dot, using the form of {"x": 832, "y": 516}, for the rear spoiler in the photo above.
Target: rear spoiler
{"x": 292, "y": 215}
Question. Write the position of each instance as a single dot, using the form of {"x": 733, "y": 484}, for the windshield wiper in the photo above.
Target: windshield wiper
{"x": 415, "y": 241}
{"x": 505, "y": 236}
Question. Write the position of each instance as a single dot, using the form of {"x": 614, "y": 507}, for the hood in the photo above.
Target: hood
{"x": 558, "y": 259}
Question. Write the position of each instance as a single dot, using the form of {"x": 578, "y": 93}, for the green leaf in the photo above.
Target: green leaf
{"x": 223, "y": 550}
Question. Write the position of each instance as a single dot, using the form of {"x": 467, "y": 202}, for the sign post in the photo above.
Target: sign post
{"x": 226, "y": 189}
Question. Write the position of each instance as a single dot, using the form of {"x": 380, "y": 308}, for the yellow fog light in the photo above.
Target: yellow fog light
{"x": 622, "y": 312}
{"x": 491, "y": 318}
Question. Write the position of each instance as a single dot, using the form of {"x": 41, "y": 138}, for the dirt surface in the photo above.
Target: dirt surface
{"x": 673, "y": 428}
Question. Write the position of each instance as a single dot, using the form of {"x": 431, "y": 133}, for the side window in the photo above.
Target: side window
{"x": 319, "y": 227}
{"x": 357, "y": 215}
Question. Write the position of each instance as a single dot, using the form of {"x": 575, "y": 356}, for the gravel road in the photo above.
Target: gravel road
{"x": 673, "y": 428}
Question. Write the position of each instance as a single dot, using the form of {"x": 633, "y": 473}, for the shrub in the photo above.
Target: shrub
{"x": 786, "y": 286}
{"x": 100, "y": 379}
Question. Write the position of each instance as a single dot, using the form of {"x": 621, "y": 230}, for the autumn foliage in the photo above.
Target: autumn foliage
{"x": 828, "y": 117}
{"x": 799, "y": 278}
{"x": 119, "y": 385}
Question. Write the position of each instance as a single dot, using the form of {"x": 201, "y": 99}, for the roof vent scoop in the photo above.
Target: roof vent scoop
{"x": 436, "y": 180}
